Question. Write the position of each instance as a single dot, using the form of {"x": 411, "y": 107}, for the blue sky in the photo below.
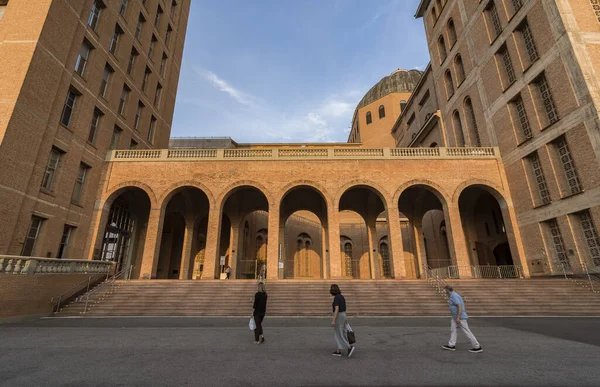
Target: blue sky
{"x": 289, "y": 70}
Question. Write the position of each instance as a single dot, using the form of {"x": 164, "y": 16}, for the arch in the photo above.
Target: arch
{"x": 325, "y": 194}
{"x": 442, "y": 49}
{"x": 117, "y": 190}
{"x": 460, "y": 69}
{"x": 378, "y": 189}
{"x": 487, "y": 185}
{"x": 435, "y": 188}
{"x": 451, "y": 32}
{"x": 230, "y": 189}
{"x": 381, "y": 111}
{"x": 449, "y": 84}
{"x": 168, "y": 193}
{"x": 369, "y": 118}
{"x": 433, "y": 145}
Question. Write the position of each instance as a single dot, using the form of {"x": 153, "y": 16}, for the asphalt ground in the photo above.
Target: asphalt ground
{"x": 179, "y": 351}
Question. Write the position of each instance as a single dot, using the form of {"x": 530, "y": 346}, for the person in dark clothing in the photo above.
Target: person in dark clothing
{"x": 340, "y": 333}
{"x": 260, "y": 309}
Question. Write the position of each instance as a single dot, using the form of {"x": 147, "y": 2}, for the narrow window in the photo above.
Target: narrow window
{"x": 132, "y": 58}
{"x": 79, "y": 183}
{"x": 168, "y": 35}
{"x": 560, "y": 252}
{"x": 105, "y": 79}
{"x": 146, "y": 77}
{"x": 460, "y": 137}
{"x": 449, "y": 84}
{"x": 116, "y": 136}
{"x": 173, "y": 7}
{"x": 527, "y": 42}
{"x": 460, "y": 69}
{"x": 524, "y": 126}
{"x": 138, "y": 115}
{"x": 151, "y": 49}
{"x": 451, "y": 33}
{"x": 133, "y": 144}
{"x": 94, "y": 126}
{"x": 64, "y": 241}
{"x": 82, "y": 58}
{"x": 123, "y": 100}
{"x": 123, "y": 8}
{"x": 157, "y": 94}
{"x": 369, "y": 119}
{"x": 114, "y": 42}
{"x": 545, "y": 97}
{"x": 151, "y": 130}
{"x": 33, "y": 233}
{"x": 494, "y": 19}
{"x": 159, "y": 12}
{"x": 442, "y": 49}
{"x": 385, "y": 259}
{"x": 95, "y": 14}
{"x": 411, "y": 119}
{"x": 568, "y": 165}
{"x": 163, "y": 64}
{"x": 68, "y": 108}
{"x": 508, "y": 73}
{"x": 434, "y": 16}
{"x": 590, "y": 234}
{"x": 543, "y": 195}
{"x": 140, "y": 26}
{"x": 472, "y": 123}
{"x": 51, "y": 169}
{"x": 381, "y": 112}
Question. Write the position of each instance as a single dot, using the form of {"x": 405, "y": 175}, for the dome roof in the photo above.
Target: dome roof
{"x": 400, "y": 81}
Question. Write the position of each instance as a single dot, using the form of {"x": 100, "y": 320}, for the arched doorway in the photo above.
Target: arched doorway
{"x": 503, "y": 255}
{"x": 354, "y": 230}
{"x": 252, "y": 257}
{"x": 125, "y": 230}
{"x": 171, "y": 246}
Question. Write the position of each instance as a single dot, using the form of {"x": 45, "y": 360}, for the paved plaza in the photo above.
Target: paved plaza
{"x": 219, "y": 351}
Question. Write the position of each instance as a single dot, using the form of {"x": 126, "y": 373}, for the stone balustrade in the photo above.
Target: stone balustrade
{"x": 11, "y": 264}
{"x": 299, "y": 153}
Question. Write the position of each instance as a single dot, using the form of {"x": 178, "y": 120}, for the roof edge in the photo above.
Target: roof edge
{"x": 421, "y": 8}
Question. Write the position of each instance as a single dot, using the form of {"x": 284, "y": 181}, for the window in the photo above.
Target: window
{"x": 151, "y": 49}
{"x": 424, "y": 100}
{"x": 163, "y": 64}
{"x": 369, "y": 119}
{"x": 434, "y": 15}
{"x": 460, "y": 69}
{"x": 507, "y": 73}
{"x": 123, "y": 101}
{"x": 517, "y": 4}
{"x": 132, "y": 57}
{"x": 82, "y": 58}
{"x": 173, "y": 7}
{"x": 381, "y": 112}
{"x": 472, "y": 123}
{"x": 159, "y": 13}
{"x": 133, "y": 144}
{"x": 544, "y": 97}
{"x": 138, "y": 115}
{"x": 64, "y": 241}
{"x": 458, "y": 132}
{"x": 168, "y": 35}
{"x": 95, "y": 14}
{"x": 151, "y": 129}
{"x": 535, "y": 167}
{"x": 105, "y": 79}
{"x": 115, "y": 39}
{"x": 32, "y": 235}
{"x": 527, "y": 43}
{"x": 79, "y": 183}
{"x": 451, "y": 33}
{"x": 442, "y": 49}
{"x": 94, "y": 126}
{"x": 116, "y": 136}
{"x": 51, "y": 168}
{"x": 524, "y": 126}
{"x": 157, "y": 94}
{"x": 568, "y": 165}
{"x": 145, "y": 80}
{"x": 402, "y": 105}
{"x": 140, "y": 26}
{"x": 449, "y": 84}
{"x": 385, "y": 259}
{"x": 590, "y": 234}
{"x": 560, "y": 253}
{"x": 493, "y": 19}
{"x": 67, "y": 112}
{"x": 123, "y": 8}
{"x": 411, "y": 119}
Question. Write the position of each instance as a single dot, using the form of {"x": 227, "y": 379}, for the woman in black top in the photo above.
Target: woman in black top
{"x": 260, "y": 309}
{"x": 340, "y": 333}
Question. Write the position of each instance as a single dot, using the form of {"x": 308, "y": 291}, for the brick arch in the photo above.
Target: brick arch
{"x": 227, "y": 191}
{"x": 434, "y": 188}
{"x": 118, "y": 189}
{"x": 378, "y": 189}
{"x": 496, "y": 191}
{"x": 174, "y": 188}
{"x": 307, "y": 183}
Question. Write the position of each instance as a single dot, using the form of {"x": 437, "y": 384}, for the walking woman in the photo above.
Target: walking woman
{"x": 340, "y": 334}
{"x": 260, "y": 309}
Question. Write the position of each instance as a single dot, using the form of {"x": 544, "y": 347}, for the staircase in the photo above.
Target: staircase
{"x": 508, "y": 297}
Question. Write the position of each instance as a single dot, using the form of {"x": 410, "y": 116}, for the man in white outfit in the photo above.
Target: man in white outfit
{"x": 459, "y": 317}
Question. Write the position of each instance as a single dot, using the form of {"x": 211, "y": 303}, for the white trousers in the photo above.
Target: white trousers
{"x": 465, "y": 328}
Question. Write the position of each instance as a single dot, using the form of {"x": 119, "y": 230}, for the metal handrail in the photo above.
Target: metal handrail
{"x": 112, "y": 282}
{"x": 438, "y": 282}
{"x": 74, "y": 289}
{"x": 583, "y": 277}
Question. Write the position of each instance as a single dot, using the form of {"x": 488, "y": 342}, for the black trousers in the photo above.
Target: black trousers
{"x": 258, "y": 319}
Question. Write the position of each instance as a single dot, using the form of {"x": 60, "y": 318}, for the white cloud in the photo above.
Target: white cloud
{"x": 222, "y": 85}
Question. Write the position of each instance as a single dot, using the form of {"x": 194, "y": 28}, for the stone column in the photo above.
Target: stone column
{"x": 186, "y": 251}
{"x": 333, "y": 232}
{"x": 324, "y": 250}
{"x": 152, "y": 244}
{"x": 396, "y": 248}
{"x": 213, "y": 233}
{"x": 234, "y": 239}
{"x": 420, "y": 250}
{"x": 274, "y": 240}
{"x": 97, "y": 227}
{"x": 373, "y": 248}
{"x": 514, "y": 240}
{"x": 456, "y": 238}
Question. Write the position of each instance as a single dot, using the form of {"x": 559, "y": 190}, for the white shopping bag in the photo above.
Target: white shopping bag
{"x": 252, "y": 324}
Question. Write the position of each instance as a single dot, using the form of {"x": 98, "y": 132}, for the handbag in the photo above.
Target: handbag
{"x": 252, "y": 324}
{"x": 350, "y": 334}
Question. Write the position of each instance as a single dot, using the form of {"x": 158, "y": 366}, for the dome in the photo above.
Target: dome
{"x": 400, "y": 81}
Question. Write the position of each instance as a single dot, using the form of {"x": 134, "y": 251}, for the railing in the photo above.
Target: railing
{"x": 582, "y": 275}
{"x": 438, "y": 282}
{"x": 12, "y": 264}
{"x": 482, "y": 271}
{"x": 303, "y": 153}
